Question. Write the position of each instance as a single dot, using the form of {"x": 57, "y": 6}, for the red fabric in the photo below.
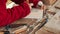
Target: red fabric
{"x": 7, "y": 16}
{"x": 35, "y": 2}
{"x": 18, "y": 1}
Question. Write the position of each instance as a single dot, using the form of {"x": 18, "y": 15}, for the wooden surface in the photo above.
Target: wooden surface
{"x": 28, "y": 21}
{"x": 49, "y": 2}
{"x": 57, "y": 6}
{"x": 54, "y": 23}
{"x": 20, "y": 29}
{"x": 1, "y": 32}
{"x": 44, "y": 31}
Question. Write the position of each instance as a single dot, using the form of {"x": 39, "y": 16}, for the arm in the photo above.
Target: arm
{"x": 3, "y": 13}
{"x": 8, "y": 16}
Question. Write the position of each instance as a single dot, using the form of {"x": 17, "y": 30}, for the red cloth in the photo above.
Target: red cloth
{"x": 18, "y": 1}
{"x": 7, "y": 16}
{"x": 35, "y": 2}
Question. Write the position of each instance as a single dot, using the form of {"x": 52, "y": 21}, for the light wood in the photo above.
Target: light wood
{"x": 57, "y": 6}
{"x": 1, "y": 32}
{"x": 20, "y": 30}
{"x": 49, "y": 2}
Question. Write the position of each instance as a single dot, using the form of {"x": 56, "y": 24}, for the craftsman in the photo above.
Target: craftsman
{"x": 8, "y": 16}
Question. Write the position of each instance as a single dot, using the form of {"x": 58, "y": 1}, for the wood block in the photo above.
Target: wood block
{"x": 35, "y": 13}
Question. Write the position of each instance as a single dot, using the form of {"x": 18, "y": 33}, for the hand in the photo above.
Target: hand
{"x": 43, "y": 7}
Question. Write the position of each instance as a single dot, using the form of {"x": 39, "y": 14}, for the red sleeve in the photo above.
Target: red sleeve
{"x": 8, "y": 16}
